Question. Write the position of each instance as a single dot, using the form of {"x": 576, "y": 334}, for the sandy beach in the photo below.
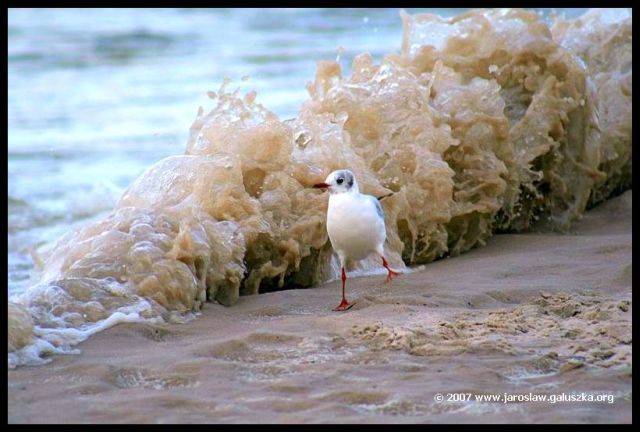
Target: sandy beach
{"x": 536, "y": 313}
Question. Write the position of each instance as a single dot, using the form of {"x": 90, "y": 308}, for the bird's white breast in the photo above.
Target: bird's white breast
{"x": 354, "y": 226}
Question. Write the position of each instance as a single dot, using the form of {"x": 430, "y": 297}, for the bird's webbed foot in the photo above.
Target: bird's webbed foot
{"x": 343, "y": 306}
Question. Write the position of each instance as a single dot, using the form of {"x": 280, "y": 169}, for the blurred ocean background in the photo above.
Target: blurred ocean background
{"x": 95, "y": 96}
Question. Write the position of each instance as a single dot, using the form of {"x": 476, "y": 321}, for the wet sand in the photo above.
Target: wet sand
{"x": 539, "y": 313}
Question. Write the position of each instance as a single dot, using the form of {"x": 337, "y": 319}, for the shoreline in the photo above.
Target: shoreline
{"x": 539, "y": 313}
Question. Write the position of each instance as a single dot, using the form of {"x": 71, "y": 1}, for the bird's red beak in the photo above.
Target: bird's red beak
{"x": 321, "y": 186}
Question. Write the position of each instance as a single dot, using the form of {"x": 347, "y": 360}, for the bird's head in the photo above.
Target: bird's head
{"x": 339, "y": 181}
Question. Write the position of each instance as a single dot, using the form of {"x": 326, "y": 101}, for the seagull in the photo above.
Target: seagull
{"x": 355, "y": 224}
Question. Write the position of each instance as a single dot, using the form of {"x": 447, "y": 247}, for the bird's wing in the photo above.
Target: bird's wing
{"x": 377, "y": 205}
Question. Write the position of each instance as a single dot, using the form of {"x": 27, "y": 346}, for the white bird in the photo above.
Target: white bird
{"x": 355, "y": 224}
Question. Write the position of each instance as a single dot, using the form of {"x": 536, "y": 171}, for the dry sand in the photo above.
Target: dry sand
{"x": 539, "y": 313}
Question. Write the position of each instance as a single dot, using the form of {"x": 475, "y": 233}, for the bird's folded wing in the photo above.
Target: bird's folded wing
{"x": 376, "y": 202}
{"x": 385, "y": 196}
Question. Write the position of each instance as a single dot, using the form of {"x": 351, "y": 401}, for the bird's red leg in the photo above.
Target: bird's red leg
{"x": 391, "y": 274}
{"x": 344, "y": 304}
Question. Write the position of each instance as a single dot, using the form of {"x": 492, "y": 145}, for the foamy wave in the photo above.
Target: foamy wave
{"x": 44, "y": 342}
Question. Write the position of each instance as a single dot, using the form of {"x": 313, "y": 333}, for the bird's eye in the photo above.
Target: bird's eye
{"x": 340, "y": 180}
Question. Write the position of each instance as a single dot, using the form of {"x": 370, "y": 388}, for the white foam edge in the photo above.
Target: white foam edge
{"x": 48, "y": 341}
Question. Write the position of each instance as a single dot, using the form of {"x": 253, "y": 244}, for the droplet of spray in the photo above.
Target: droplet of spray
{"x": 340, "y": 52}
{"x": 250, "y": 97}
{"x": 224, "y": 84}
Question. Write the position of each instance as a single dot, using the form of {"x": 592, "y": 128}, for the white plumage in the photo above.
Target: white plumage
{"x": 356, "y": 228}
{"x": 355, "y": 224}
